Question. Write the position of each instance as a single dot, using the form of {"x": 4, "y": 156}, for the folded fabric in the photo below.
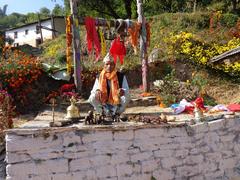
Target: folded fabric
{"x": 188, "y": 107}
{"x": 234, "y": 107}
{"x": 181, "y": 107}
{"x": 218, "y": 108}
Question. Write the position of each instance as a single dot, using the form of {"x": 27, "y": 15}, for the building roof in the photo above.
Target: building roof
{"x": 35, "y": 22}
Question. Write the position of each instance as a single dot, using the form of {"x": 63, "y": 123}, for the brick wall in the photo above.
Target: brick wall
{"x": 205, "y": 151}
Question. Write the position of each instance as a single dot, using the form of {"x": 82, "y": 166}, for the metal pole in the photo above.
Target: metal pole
{"x": 76, "y": 45}
{"x": 143, "y": 46}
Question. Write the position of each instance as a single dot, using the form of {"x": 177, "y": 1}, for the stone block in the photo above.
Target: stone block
{"x": 80, "y": 164}
{"x": 163, "y": 174}
{"x": 100, "y": 160}
{"x": 230, "y": 163}
{"x": 200, "y": 128}
{"x": 229, "y": 137}
{"x": 209, "y": 166}
{"x": 146, "y": 144}
{"x": 149, "y": 133}
{"x": 141, "y": 156}
{"x": 68, "y": 140}
{"x": 106, "y": 171}
{"x": 15, "y": 143}
{"x": 17, "y": 157}
{"x": 216, "y": 124}
{"x": 61, "y": 176}
{"x": 175, "y": 132}
{"x": 119, "y": 158}
{"x": 197, "y": 159}
{"x": 37, "y": 167}
{"x": 163, "y": 153}
{"x": 123, "y": 135}
{"x": 124, "y": 169}
{"x": 182, "y": 153}
{"x": 77, "y": 154}
{"x": 149, "y": 166}
{"x": 170, "y": 162}
{"x": 186, "y": 171}
{"x": 95, "y": 136}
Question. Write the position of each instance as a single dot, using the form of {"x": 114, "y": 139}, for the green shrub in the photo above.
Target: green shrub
{"x": 229, "y": 20}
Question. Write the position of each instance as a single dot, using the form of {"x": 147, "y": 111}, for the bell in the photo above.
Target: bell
{"x": 72, "y": 110}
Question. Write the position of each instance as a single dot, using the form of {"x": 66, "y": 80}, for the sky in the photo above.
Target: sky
{"x": 26, "y": 6}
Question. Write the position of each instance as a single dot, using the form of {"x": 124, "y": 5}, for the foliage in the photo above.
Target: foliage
{"x": 54, "y": 51}
{"x": 58, "y": 10}
{"x": 171, "y": 90}
{"x": 6, "y": 112}
{"x": 190, "y": 48}
{"x": 3, "y": 11}
{"x": 229, "y": 20}
{"x": 17, "y": 72}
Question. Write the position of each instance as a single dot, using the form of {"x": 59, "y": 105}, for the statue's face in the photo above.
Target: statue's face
{"x": 109, "y": 66}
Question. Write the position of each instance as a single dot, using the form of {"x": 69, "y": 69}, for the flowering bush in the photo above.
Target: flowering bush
{"x": 189, "y": 47}
{"x": 6, "y": 112}
{"x": 17, "y": 72}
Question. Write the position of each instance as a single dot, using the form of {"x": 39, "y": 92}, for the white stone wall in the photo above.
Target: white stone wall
{"x": 2, "y": 161}
{"x": 205, "y": 151}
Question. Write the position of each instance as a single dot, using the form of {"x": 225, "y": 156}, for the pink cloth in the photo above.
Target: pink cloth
{"x": 92, "y": 37}
{"x": 234, "y": 107}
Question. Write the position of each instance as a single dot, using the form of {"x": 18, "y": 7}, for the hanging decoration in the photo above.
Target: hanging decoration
{"x": 103, "y": 43}
{"x": 92, "y": 37}
{"x": 69, "y": 43}
{"x": 148, "y": 28}
{"x": 134, "y": 35}
{"x": 118, "y": 50}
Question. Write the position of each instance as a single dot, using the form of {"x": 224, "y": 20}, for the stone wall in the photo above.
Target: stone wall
{"x": 205, "y": 151}
{"x": 2, "y": 161}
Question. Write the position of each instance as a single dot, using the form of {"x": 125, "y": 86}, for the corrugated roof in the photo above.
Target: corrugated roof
{"x": 225, "y": 55}
{"x": 36, "y": 22}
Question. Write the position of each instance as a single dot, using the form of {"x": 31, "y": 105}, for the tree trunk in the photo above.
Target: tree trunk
{"x": 234, "y": 5}
{"x": 194, "y": 6}
{"x": 143, "y": 47}
{"x": 76, "y": 46}
{"x": 128, "y": 8}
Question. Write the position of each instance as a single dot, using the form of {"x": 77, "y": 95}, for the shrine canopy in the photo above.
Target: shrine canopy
{"x": 139, "y": 30}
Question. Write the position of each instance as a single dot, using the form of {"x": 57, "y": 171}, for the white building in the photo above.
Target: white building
{"x": 31, "y": 33}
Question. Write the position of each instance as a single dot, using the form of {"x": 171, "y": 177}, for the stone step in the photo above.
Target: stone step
{"x": 85, "y": 106}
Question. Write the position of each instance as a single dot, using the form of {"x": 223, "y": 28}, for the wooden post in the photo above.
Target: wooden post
{"x": 53, "y": 27}
{"x": 143, "y": 46}
{"x": 40, "y": 28}
{"x": 76, "y": 45}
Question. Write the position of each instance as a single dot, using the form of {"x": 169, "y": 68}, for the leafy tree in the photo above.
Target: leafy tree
{"x": 3, "y": 11}
{"x": 31, "y": 17}
{"x": 105, "y": 8}
{"x": 58, "y": 10}
{"x": 44, "y": 12}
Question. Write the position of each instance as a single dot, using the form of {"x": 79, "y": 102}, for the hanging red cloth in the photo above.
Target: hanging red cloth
{"x": 92, "y": 37}
{"x": 118, "y": 50}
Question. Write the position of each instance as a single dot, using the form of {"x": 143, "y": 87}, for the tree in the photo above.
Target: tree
{"x": 58, "y": 10}
{"x": 44, "y": 12}
{"x": 3, "y": 11}
{"x": 234, "y": 5}
{"x": 105, "y": 8}
{"x": 31, "y": 17}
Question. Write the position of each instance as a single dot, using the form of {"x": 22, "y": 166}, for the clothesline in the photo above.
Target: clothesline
{"x": 108, "y": 22}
